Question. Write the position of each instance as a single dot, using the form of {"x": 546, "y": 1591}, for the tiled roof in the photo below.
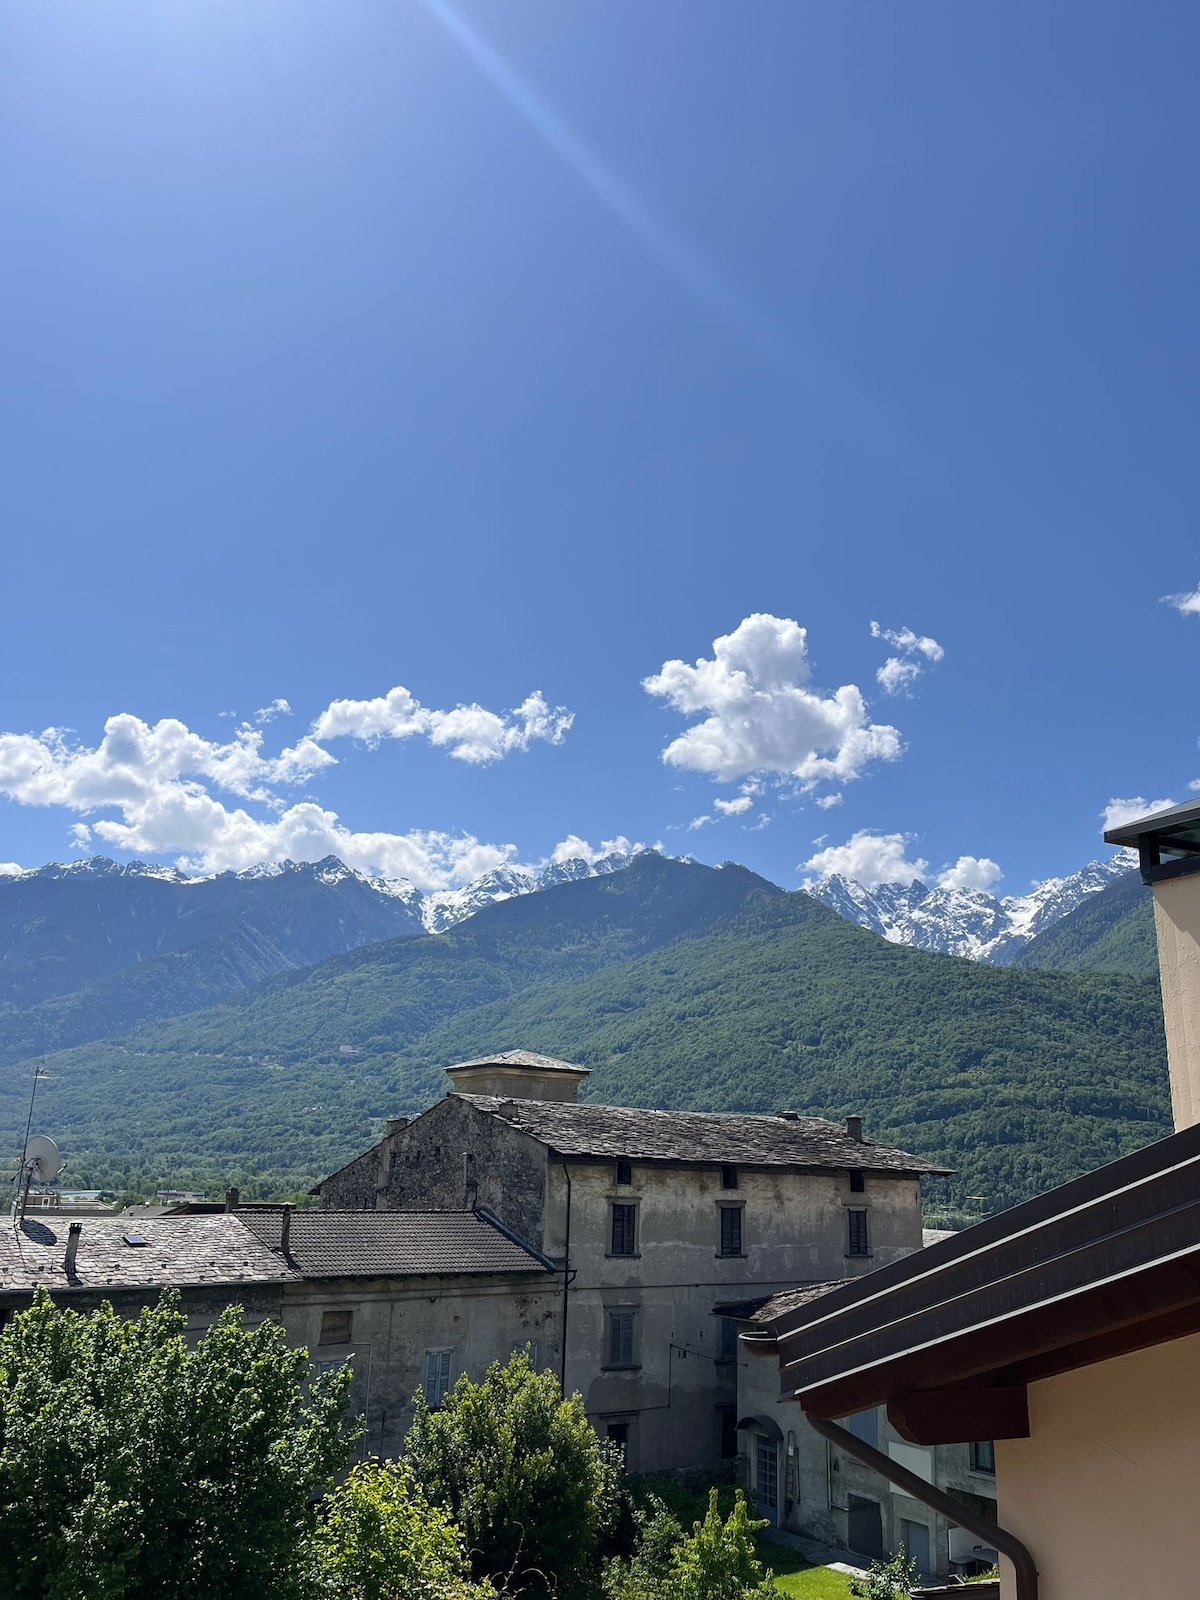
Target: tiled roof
{"x": 393, "y": 1244}
{"x": 186, "y": 1251}
{"x": 776, "y": 1305}
{"x": 522, "y": 1058}
{"x": 609, "y": 1132}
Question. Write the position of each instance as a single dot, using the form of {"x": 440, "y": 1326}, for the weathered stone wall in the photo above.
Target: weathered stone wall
{"x": 356, "y": 1186}
{"x": 395, "y": 1322}
{"x": 202, "y": 1307}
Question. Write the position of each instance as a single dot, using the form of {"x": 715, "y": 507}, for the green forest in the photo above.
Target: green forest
{"x": 680, "y": 986}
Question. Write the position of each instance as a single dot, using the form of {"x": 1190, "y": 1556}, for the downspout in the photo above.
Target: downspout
{"x": 951, "y": 1509}
{"x": 562, "y": 1376}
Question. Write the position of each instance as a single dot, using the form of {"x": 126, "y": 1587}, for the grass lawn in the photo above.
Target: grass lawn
{"x": 794, "y": 1576}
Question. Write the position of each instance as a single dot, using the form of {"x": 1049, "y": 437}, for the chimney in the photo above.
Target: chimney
{"x": 232, "y": 1196}
{"x": 1168, "y": 847}
{"x": 854, "y": 1129}
{"x": 789, "y": 1116}
{"x": 285, "y": 1234}
{"x": 396, "y": 1125}
{"x": 73, "y": 1233}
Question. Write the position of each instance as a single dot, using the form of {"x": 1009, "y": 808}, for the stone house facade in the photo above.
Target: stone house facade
{"x": 649, "y": 1219}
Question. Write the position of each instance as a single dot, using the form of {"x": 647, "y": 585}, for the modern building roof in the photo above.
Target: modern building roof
{"x": 184, "y": 1251}
{"x": 1173, "y": 834}
{"x": 696, "y": 1137}
{"x": 521, "y": 1058}
{"x": 393, "y": 1244}
{"x": 1106, "y": 1264}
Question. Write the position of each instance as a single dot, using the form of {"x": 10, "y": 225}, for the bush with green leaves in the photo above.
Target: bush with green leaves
{"x": 135, "y": 1468}
{"x": 521, "y": 1471}
{"x": 379, "y": 1538}
{"x": 887, "y": 1580}
{"x": 716, "y": 1561}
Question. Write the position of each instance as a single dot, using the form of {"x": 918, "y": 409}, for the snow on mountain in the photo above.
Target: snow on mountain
{"x": 444, "y": 907}
{"x": 964, "y": 922}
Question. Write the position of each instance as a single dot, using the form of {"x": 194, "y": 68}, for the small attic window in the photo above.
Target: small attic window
{"x": 624, "y": 1172}
{"x": 135, "y": 1241}
{"x": 858, "y": 1183}
{"x": 729, "y": 1177}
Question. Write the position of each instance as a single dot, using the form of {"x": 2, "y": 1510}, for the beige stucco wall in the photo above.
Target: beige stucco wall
{"x": 1103, "y": 1492}
{"x": 1177, "y": 924}
{"x": 794, "y": 1230}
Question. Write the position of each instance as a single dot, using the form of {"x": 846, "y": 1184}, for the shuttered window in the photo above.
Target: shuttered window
{"x": 437, "y": 1377}
{"x": 624, "y": 1230}
{"x": 620, "y": 1338}
{"x": 731, "y": 1230}
{"x": 859, "y": 1239}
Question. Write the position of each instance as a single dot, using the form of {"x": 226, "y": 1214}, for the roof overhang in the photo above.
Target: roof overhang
{"x": 1167, "y": 842}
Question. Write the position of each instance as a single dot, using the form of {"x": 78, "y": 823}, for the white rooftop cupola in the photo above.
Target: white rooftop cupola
{"x": 518, "y": 1075}
{"x": 1168, "y": 847}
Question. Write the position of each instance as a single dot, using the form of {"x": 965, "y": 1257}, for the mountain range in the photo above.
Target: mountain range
{"x": 967, "y": 922}
{"x": 679, "y": 985}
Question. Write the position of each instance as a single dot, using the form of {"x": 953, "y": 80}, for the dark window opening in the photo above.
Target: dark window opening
{"x": 858, "y": 1182}
{"x": 729, "y": 1339}
{"x": 983, "y": 1457}
{"x": 624, "y": 1176}
{"x": 731, "y": 1230}
{"x": 620, "y": 1338}
{"x": 624, "y": 1231}
{"x": 729, "y": 1178}
{"x": 618, "y": 1434}
{"x": 729, "y": 1438}
{"x": 859, "y": 1241}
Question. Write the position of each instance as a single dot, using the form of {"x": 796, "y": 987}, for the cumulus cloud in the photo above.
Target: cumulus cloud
{"x": 869, "y": 858}
{"x": 10, "y": 869}
{"x": 277, "y": 708}
{"x": 899, "y": 672}
{"x": 153, "y": 788}
{"x": 759, "y": 716}
{"x": 736, "y": 807}
{"x": 1118, "y": 812}
{"x": 470, "y": 732}
{"x": 969, "y": 872}
{"x": 828, "y": 801}
{"x": 1188, "y": 605}
{"x": 573, "y": 848}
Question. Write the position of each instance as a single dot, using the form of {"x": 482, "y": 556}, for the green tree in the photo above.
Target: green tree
{"x": 379, "y": 1538}
{"x": 887, "y": 1580}
{"x": 718, "y": 1560}
{"x": 132, "y": 1467}
{"x": 522, "y": 1473}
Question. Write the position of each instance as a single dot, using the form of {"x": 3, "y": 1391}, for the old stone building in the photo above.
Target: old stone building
{"x": 650, "y": 1219}
{"x": 414, "y": 1299}
{"x": 805, "y": 1484}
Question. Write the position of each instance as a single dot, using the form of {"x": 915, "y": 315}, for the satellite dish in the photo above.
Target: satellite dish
{"x": 42, "y": 1161}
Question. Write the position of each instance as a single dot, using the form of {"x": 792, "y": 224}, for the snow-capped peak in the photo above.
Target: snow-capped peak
{"x": 965, "y": 922}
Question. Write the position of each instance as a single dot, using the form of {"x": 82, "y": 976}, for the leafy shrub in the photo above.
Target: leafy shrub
{"x": 887, "y": 1580}
{"x": 132, "y": 1467}
{"x": 716, "y": 1561}
{"x": 380, "y": 1539}
{"x": 522, "y": 1473}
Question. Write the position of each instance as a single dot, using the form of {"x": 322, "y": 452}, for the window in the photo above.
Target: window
{"x": 527, "y": 1347}
{"x": 864, "y": 1425}
{"x": 858, "y": 1183}
{"x": 624, "y": 1231}
{"x": 624, "y": 1174}
{"x": 731, "y": 1230}
{"x": 729, "y": 1178}
{"x": 618, "y": 1433}
{"x": 729, "y": 1339}
{"x": 983, "y": 1457}
{"x": 336, "y": 1327}
{"x": 727, "y": 1418}
{"x": 766, "y": 1478}
{"x": 437, "y": 1377}
{"x": 322, "y": 1367}
{"x": 620, "y": 1338}
{"x": 859, "y": 1243}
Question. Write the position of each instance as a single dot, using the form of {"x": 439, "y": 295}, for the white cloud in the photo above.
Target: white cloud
{"x": 969, "y": 872}
{"x": 736, "y": 807}
{"x": 1188, "y": 605}
{"x": 10, "y": 869}
{"x": 761, "y": 716}
{"x": 899, "y": 672}
{"x": 471, "y": 733}
{"x": 152, "y": 788}
{"x": 828, "y": 801}
{"x": 277, "y": 708}
{"x": 573, "y": 848}
{"x": 1118, "y": 812}
{"x": 700, "y": 822}
{"x": 869, "y": 858}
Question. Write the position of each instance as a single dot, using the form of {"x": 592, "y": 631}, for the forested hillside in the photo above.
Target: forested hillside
{"x": 680, "y": 985}
{"x": 1112, "y": 931}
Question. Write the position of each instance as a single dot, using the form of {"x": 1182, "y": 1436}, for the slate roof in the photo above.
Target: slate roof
{"x": 696, "y": 1137}
{"x": 185, "y": 1251}
{"x": 522, "y": 1058}
{"x": 394, "y": 1244}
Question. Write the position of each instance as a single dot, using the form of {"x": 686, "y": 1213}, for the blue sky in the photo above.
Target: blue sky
{"x": 473, "y": 351}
